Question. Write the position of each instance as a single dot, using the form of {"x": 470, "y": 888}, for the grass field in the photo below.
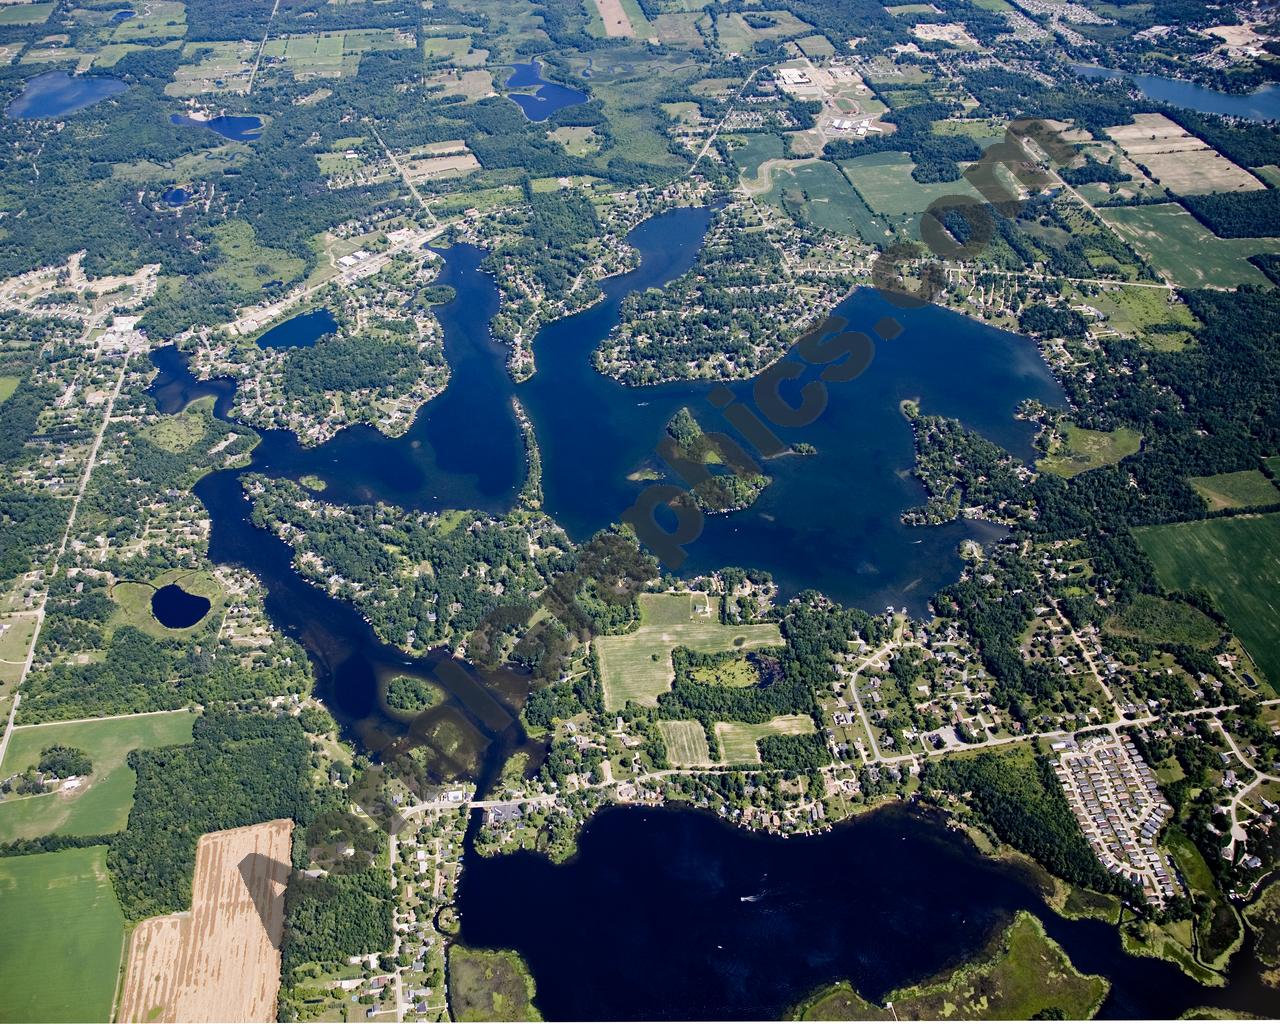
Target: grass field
{"x": 884, "y": 181}
{"x": 1157, "y": 620}
{"x": 133, "y": 601}
{"x": 823, "y": 197}
{"x": 15, "y": 636}
{"x": 1244, "y": 489}
{"x": 686, "y": 744}
{"x": 736, "y": 672}
{"x": 490, "y": 985}
{"x": 8, "y": 385}
{"x": 1237, "y": 560}
{"x": 62, "y": 937}
{"x": 577, "y": 141}
{"x": 738, "y": 740}
{"x": 1088, "y": 449}
{"x": 102, "y": 805}
{"x": 1273, "y": 465}
{"x": 249, "y": 265}
{"x": 1184, "y": 250}
{"x": 751, "y": 150}
{"x": 736, "y": 36}
{"x": 25, "y": 14}
{"x": 637, "y": 666}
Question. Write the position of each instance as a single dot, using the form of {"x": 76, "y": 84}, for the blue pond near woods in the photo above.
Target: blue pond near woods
{"x": 301, "y": 331}
{"x": 237, "y": 128}
{"x": 55, "y": 94}
{"x": 174, "y": 608}
{"x": 549, "y": 98}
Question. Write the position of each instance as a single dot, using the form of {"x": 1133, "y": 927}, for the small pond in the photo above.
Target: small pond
{"x": 237, "y": 128}
{"x": 549, "y": 98}
{"x": 175, "y": 196}
{"x": 174, "y": 608}
{"x": 301, "y": 331}
{"x": 56, "y": 93}
{"x": 120, "y": 16}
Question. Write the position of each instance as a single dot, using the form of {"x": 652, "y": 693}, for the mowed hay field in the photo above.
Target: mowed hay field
{"x": 1184, "y": 250}
{"x": 738, "y": 740}
{"x": 220, "y": 961}
{"x": 1178, "y": 160}
{"x": 1237, "y": 560}
{"x": 637, "y": 666}
{"x": 61, "y": 936}
{"x": 101, "y": 804}
{"x": 686, "y": 743}
{"x": 1243, "y": 489}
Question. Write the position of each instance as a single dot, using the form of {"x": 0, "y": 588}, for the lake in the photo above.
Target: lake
{"x": 237, "y": 128}
{"x": 174, "y": 608}
{"x": 549, "y": 98}
{"x": 1263, "y": 104}
{"x": 677, "y": 915}
{"x": 301, "y": 331}
{"x": 55, "y": 93}
{"x": 464, "y": 449}
{"x": 175, "y": 196}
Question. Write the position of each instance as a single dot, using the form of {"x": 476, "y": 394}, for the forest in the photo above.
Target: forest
{"x": 1022, "y": 802}
{"x": 239, "y": 769}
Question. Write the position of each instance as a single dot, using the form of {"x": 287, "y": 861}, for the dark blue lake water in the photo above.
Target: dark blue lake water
{"x": 55, "y": 93}
{"x": 120, "y": 16}
{"x": 175, "y": 608}
{"x": 651, "y": 921}
{"x": 676, "y": 915}
{"x": 301, "y": 331}
{"x": 234, "y": 127}
{"x": 829, "y": 521}
{"x": 1261, "y": 105}
{"x": 175, "y": 196}
{"x": 548, "y": 99}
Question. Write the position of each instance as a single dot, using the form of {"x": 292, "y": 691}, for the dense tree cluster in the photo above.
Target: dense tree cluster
{"x": 1023, "y": 803}
{"x": 239, "y": 769}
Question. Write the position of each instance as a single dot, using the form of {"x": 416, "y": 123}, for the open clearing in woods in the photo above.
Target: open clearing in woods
{"x": 637, "y": 666}
{"x": 220, "y": 960}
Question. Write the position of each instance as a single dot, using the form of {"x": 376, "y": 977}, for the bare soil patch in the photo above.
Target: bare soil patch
{"x": 219, "y": 961}
{"x": 1178, "y": 160}
{"x": 616, "y": 22}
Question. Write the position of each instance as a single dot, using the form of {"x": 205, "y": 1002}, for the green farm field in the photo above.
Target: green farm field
{"x": 686, "y": 744}
{"x": 102, "y": 805}
{"x": 62, "y": 939}
{"x": 738, "y": 741}
{"x": 25, "y": 14}
{"x": 637, "y": 666}
{"x": 1244, "y": 489}
{"x": 824, "y": 198}
{"x": 1187, "y": 252}
{"x": 8, "y": 385}
{"x": 1237, "y": 560}
{"x": 885, "y": 183}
